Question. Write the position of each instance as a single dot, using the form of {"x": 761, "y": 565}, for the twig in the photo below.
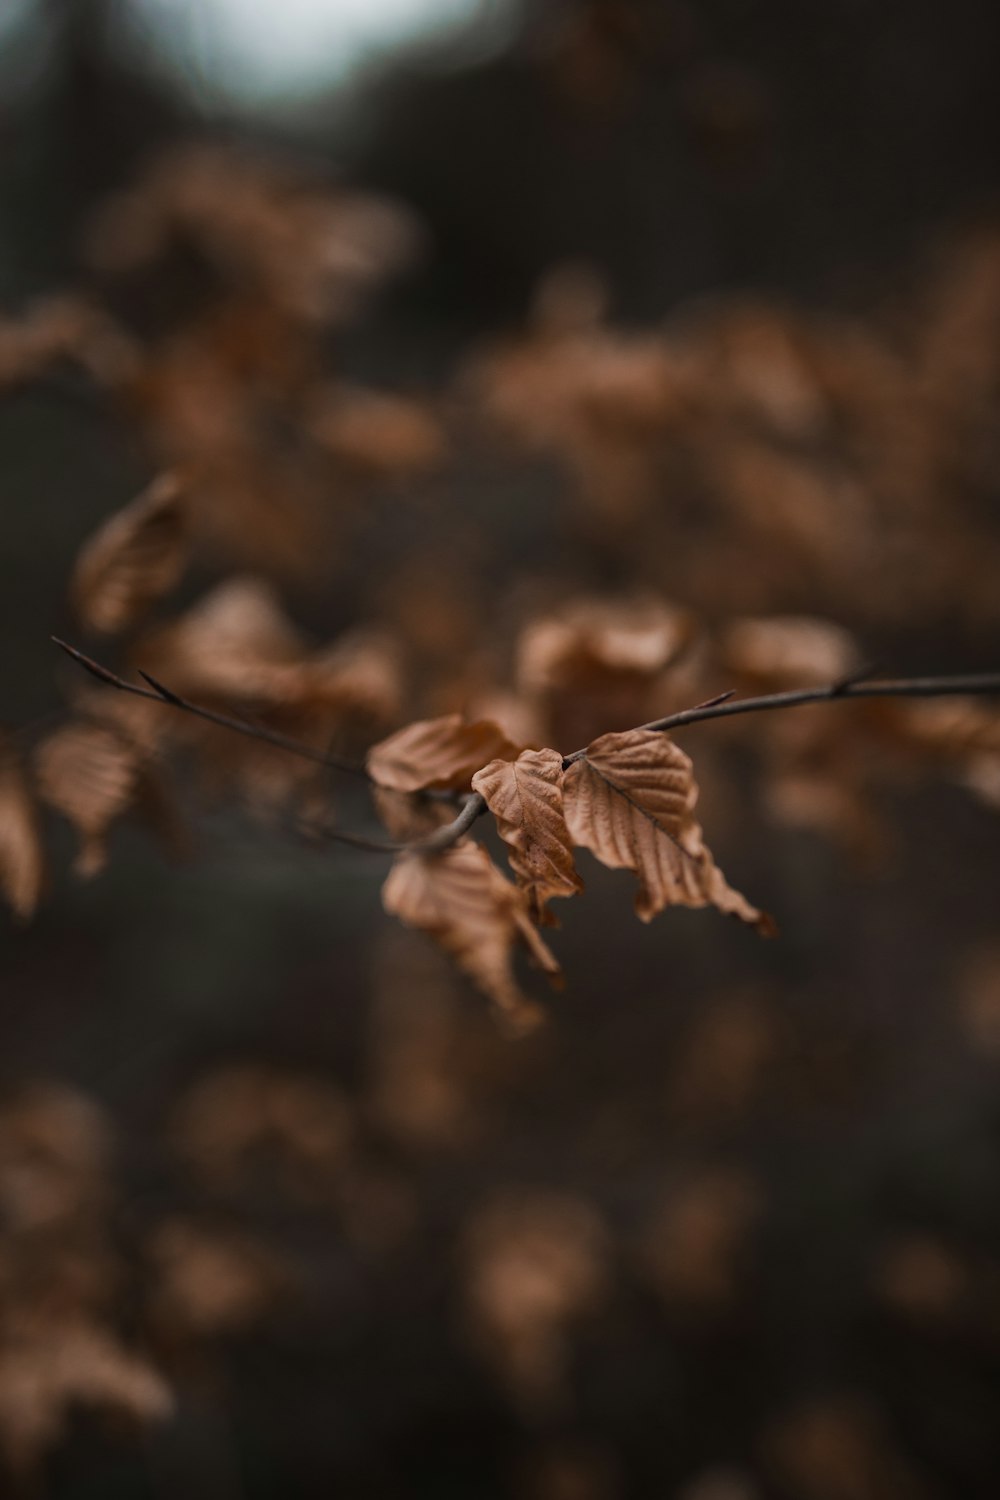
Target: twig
{"x": 443, "y": 838}
{"x": 854, "y": 686}
{"x": 723, "y": 706}
{"x": 851, "y": 687}
{"x": 157, "y": 693}
{"x": 434, "y": 843}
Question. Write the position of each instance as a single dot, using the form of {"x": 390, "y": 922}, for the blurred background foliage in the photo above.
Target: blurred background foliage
{"x": 693, "y": 310}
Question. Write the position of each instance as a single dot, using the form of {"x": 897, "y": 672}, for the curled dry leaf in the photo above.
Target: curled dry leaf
{"x": 22, "y": 860}
{"x": 630, "y": 800}
{"x": 134, "y": 558}
{"x": 526, "y": 798}
{"x": 437, "y": 754}
{"x": 462, "y": 901}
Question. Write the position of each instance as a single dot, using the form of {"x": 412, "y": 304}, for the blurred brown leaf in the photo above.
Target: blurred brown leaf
{"x": 840, "y": 1449}
{"x": 241, "y": 1116}
{"x": 437, "y": 754}
{"x": 377, "y": 433}
{"x": 209, "y": 1282}
{"x": 93, "y": 775}
{"x": 535, "y": 1264}
{"x": 133, "y": 559}
{"x": 22, "y": 857}
{"x": 46, "y": 1371}
{"x": 695, "y": 1248}
{"x": 788, "y": 652}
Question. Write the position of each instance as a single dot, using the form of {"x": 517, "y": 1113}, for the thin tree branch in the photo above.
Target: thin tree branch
{"x": 852, "y": 687}
{"x": 723, "y": 706}
{"x": 443, "y": 838}
{"x": 157, "y": 693}
{"x": 363, "y": 842}
{"x": 433, "y": 843}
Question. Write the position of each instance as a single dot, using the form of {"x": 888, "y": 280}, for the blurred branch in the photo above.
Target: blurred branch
{"x": 474, "y": 805}
{"x": 157, "y": 693}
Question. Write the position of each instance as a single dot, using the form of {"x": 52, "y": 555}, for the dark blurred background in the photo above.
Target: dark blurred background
{"x": 728, "y": 1228}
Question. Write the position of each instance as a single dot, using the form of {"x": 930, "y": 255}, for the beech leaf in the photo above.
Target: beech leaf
{"x": 133, "y": 559}
{"x": 630, "y": 800}
{"x": 462, "y": 901}
{"x": 526, "y": 798}
{"x": 437, "y": 754}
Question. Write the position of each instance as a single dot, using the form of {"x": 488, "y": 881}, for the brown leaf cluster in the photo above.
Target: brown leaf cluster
{"x": 767, "y": 458}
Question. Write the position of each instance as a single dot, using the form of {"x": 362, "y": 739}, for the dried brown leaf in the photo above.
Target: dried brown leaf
{"x": 461, "y": 900}
{"x": 630, "y": 800}
{"x": 22, "y": 860}
{"x": 134, "y": 558}
{"x": 437, "y": 754}
{"x": 526, "y": 798}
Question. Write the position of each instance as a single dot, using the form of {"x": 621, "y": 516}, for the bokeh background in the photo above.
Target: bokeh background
{"x": 691, "y": 310}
